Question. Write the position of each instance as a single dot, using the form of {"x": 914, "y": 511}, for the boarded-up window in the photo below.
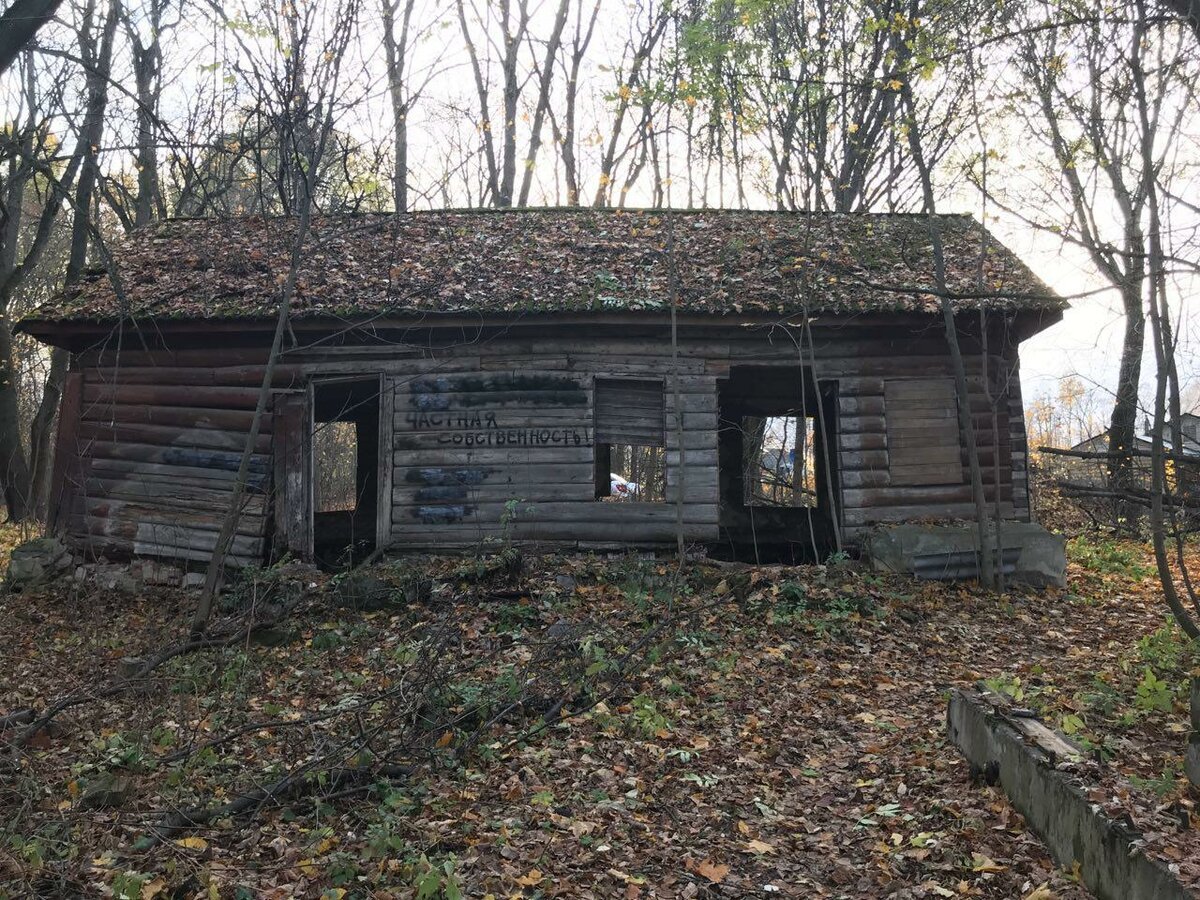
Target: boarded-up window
{"x": 629, "y": 427}
{"x": 922, "y": 431}
{"x": 629, "y": 411}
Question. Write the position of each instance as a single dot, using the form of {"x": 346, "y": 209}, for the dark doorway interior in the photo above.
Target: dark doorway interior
{"x": 345, "y": 470}
{"x": 778, "y": 465}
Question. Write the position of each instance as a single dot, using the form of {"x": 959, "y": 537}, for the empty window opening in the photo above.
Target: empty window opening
{"x": 780, "y": 462}
{"x": 345, "y": 469}
{"x": 634, "y": 473}
{"x": 629, "y": 428}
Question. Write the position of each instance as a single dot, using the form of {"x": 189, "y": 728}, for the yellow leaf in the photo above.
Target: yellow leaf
{"x": 1042, "y": 892}
{"x": 534, "y": 877}
{"x": 712, "y": 871}
{"x": 981, "y": 863}
{"x": 760, "y": 847}
{"x": 153, "y": 889}
{"x": 445, "y": 739}
{"x": 192, "y": 843}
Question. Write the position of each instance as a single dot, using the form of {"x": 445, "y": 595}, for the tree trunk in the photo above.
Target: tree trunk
{"x": 1122, "y": 431}
{"x": 987, "y": 574}
{"x": 41, "y": 430}
{"x": 543, "y": 100}
{"x": 14, "y": 467}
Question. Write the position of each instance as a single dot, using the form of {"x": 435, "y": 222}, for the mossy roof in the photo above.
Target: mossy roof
{"x": 549, "y": 261}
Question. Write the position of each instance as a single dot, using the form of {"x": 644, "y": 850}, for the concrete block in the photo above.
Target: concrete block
{"x": 1111, "y": 862}
{"x": 1033, "y": 555}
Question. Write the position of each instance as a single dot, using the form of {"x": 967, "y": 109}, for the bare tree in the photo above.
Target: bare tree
{"x": 19, "y": 24}
{"x": 306, "y": 111}
{"x": 1081, "y": 83}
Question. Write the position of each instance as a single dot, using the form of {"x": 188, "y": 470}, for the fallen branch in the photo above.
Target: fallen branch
{"x": 19, "y": 717}
{"x": 345, "y": 780}
{"x": 35, "y": 722}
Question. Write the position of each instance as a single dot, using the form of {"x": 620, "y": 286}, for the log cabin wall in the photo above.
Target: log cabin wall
{"x": 489, "y": 435}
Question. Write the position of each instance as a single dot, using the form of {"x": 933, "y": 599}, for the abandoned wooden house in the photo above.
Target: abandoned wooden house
{"x": 447, "y": 379}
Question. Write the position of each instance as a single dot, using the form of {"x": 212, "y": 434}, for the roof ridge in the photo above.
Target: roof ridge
{"x": 572, "y": 210}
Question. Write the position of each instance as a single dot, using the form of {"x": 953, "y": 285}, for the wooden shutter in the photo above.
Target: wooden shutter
{"x": 922, "y": 431}
{"x": 629, "y": 411}
{"x": 293, "y": 478}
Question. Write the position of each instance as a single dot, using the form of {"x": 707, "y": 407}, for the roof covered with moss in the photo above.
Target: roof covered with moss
{"x": 549, "y": 261}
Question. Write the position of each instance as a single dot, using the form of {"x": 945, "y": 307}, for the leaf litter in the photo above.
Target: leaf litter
{"x": 727, "y": 731}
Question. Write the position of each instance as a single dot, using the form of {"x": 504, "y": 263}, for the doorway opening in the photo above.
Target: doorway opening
{"x": 777, "y": 461}
{"x": 345, "y": 470}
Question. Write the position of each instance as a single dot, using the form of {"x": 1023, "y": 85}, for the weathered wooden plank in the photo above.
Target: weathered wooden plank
{"x": 284, "y": 376}
{"x": 137, "y": 510}
{"x": 863, "y": 460}
{"x": 553, "y": 511}
{"x": 175, "y": 416}
{"x": 948, "y": 471}
{"x": 521, "y": 473}
{"x": 862, "y": 442}
{"x": 865, "y": 405}
{"x": 493, "y": 456}
{"x": 854, "y": 424}
{"x": 933, "y": 497}
{"x": 889, "y": 514}
{"x": 169, "y": 494}
{"x": 414, "y": 534}
{"x": 865, "y": 478}
{"x": 167, "y": 436}
{"x": 119, "y": 547}
{"x": 197, "y": 476}
{"x": 163, "y": 534}
{"x": 167, "y": 392}
{"x": 218, "y": 461}
{"x": 110, "y": 356}
{"x": 922, "y": 439}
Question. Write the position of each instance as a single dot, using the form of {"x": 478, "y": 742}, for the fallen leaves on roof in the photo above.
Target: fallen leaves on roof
{"x": 551, "y": 261}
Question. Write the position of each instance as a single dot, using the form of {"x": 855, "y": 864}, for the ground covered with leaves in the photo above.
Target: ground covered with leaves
{"x": 575, "y": 727}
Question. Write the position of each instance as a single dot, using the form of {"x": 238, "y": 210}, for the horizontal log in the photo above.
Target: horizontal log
{"x": 856, "y": 424}
{"x": 167, "y": 393}
{"x": 111, "y": 356}
{"x": 166, "y": 436}
{"x": 865, "y": 478}
{"x": 933, "y": 497}
{"x": 553, "y": 511}
{"x": 412, "y": 535}
{"x": 217, "y": 461}
{"x": 145, "y": 537}
{"x": 893, "y": 514}
{"x": 170, "y": 494}
{"x": 863, "y": 460}
{"x": 862, "y": 442}
{"x": 118, "y": 547}
{"x": 492, "y": 457}
{"x": 139, "y": 511}
{"x": 284, "y": 376}
{"x": 867, "y": 405}
{"x": 175, "y": 416}
{"x": 189, "y": 475}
